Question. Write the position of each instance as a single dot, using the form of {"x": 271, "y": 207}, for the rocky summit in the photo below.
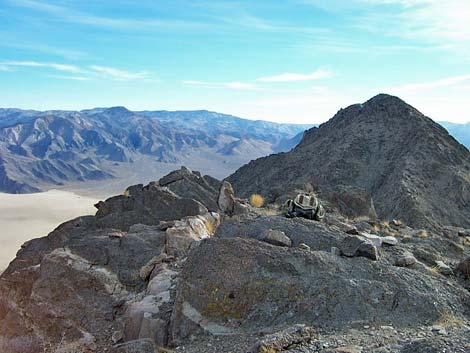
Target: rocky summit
{"x": 183, "y": 265}
{"x": 411, "y": 167}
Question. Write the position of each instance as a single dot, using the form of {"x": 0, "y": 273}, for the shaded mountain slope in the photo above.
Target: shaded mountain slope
{"x": 412, "y": 167}
{"x": 40, "y": 150}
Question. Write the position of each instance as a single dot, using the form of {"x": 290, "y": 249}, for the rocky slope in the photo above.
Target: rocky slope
{"x": 411, "y": 166}
{"x": 181, "y": 263}
{"x": 39, "y": 150}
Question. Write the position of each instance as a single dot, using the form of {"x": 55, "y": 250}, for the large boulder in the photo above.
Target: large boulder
{"x": 247, "y": 285}
{"x": 189, "y": 184}
{"x": 147, "y": 205}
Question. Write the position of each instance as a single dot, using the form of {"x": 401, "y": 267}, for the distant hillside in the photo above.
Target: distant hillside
{"x": 461, "y": 132}
{"x": 39, "y": 150}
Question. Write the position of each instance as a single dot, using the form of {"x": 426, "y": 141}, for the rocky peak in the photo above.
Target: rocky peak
{"x": 409, "y": 164}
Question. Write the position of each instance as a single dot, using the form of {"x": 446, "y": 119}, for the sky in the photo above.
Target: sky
{"x": 296, "y": 61}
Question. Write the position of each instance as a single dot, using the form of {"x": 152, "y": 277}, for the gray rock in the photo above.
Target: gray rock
{"x": 443, "y": 268}
{"x": 137, "y": 346}
{"x": 226, "y": 200}
{"x": 276, "y": 237}
{"x": 352, "y": 246}
{"x": 405, "y": 260}
{"x": 464, "y": 268}
{"x": 304, "y": 247}
{"x": 389, "y": 240}
{"x": 284, "y": 339}
{"x": 374, "y": 239}
{"x": 149, "y": 205}
{"x": 245, "y": 281}
{"x": 191, "y": 185}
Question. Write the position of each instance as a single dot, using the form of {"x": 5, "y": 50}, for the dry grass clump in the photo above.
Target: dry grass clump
{"x": 256, "y": 200}
{"x": 448, "y": 319}
{"x": 434, "y": 270}
{"x": 210, "y": 226}
{"x": 423, "y": 234}
{"x": 265, "y": 349}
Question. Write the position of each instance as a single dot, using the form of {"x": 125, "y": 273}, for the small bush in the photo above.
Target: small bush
{"x": 423, "y": 234}
{"x": 256, "y": 200}
{"x": 210, "y": 226}
{"x": 448, "y": 319}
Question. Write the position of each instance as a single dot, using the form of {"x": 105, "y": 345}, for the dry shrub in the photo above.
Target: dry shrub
{"x": 210, "y": 226}
{"x": 265, "y": 349}
{"x": 256, "y": 200}
{"x": 423, "y": 234}
{"x": 434, "y": 270}
{"x": 448, "y": 319}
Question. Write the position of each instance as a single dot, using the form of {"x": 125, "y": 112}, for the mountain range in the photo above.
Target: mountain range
{"x": 40, "y": 150}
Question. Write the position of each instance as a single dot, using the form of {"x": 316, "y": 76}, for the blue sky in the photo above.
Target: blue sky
{"x": 286, "y": 61}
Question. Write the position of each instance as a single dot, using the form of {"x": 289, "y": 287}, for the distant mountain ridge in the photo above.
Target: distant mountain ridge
{"x": 39, "y": 150}
{"x": 461, "y": 132}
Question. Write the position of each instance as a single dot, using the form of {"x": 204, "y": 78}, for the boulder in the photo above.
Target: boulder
{"x": 405, "y": 260}
{"x": 181, "y": 236}
{"x": 192, "y": 185}
{"x": 464, "y": 268}
{"x": 276, "y": 237}
{"x": 389, "y": 240}
{"x": 250, "y": 286}
{"x": 147, "y": 205}
{"x": 374, "y": 239}
{"x": 352, "y": 246}
{"x": 443, "y": 268}
{"x": 226, "y": 199}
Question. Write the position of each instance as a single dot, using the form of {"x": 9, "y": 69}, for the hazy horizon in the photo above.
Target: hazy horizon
{"x": 285, "y": 61}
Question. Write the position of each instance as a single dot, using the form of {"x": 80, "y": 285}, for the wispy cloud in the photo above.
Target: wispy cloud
{"x": 71, "y": 78}
{"x": 293, "y": 77}
{"x": 59, "y": 67}
{"x": 85, "y": 73}
{"x": 74, "y": 16}
{"x": 233, "y": 85}
{"x": 118, "y": 73}
{"x": 416, "y": 87}
{"x": 427, "y": 20}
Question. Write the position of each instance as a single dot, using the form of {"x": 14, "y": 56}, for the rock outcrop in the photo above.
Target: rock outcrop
{"x": 412, "y": 167}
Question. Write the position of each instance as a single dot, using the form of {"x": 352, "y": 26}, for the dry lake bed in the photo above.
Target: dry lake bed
{"x": 27, "y": 216}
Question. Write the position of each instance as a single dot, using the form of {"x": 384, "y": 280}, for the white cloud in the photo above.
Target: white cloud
{"x": 293, "y": 77}
{"x": 232, "y": 85}
{"x": 59, "y": 67}
{"x": 432, "y": 21}
{"x": 93, "y": 71}
{"x": 71, "y": 78}
{"x": 240, "y": 85}
{"x": 416, "y": 87}
{"x": 118, "y": 73}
